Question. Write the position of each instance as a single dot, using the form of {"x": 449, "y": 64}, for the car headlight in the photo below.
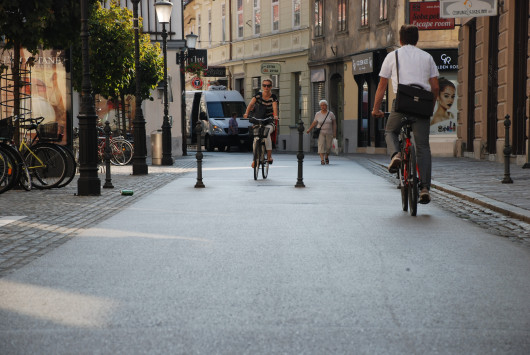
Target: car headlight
{"x": 218, "y": 129}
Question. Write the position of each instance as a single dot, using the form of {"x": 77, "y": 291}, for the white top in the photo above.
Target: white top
{"x": 327, "y": 128}
{"x": 415, "y": 67}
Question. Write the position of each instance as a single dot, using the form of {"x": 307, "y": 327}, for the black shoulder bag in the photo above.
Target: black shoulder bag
{"x": 316, "y": 130}
{"x": 413, "y": 99}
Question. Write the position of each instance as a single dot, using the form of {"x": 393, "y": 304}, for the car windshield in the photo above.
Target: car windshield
{"x": 220, "y": 109}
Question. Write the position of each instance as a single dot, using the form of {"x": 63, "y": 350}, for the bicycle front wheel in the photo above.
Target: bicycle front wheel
{"x": 256, "y": 160}
{"x": 413, "y": 182}
{"x": 47, "y": 164}
{"x": 121, "y": 151}
{"x": 264, "y": 162}
{"x": 12, "y": 171}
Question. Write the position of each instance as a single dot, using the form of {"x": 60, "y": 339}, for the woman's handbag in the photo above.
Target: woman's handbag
{"x": 412, "y": 99}
{"x": 316, "y": 130}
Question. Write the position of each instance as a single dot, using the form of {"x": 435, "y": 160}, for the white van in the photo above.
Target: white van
{"x": 215, "y": 107}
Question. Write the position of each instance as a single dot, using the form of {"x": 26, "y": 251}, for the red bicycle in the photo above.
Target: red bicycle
{"x": 408, "y": 172}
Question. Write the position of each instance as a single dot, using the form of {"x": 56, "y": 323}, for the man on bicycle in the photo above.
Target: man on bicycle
{"x": 415, "y": 67}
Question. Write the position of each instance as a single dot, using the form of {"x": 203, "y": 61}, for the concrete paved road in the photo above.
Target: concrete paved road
{"x": 260, "y": 267}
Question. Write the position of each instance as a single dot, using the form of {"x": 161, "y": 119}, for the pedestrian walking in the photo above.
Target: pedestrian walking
{"x": 233, "y": 130}
{"x": 415, "y": 67}
{"x": 326, "y": 122}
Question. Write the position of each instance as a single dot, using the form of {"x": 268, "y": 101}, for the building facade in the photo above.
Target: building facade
{"x": 254, "y": 40}
{"x": 350, "y": 40}
{"x": 494, "y": 82}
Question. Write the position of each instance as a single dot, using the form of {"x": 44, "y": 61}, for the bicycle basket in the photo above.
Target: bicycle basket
{"x": 6, "y": 128}
{"x": 51, "y": 131}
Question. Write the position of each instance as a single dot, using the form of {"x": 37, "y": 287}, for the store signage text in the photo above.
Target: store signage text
{"x": 363, "y": 63}
{"x": 426, "y": 16}
{"x": 270, "y": 68}
{"x": 468, "y": 8}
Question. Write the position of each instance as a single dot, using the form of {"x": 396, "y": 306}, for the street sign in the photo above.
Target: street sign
{"x": 426, "y": 16}
{"x": 196, "y": 82}
{"x": 215, "y": 72}
{"x": 270, "y": 68}
{"x": 468, "y": 8}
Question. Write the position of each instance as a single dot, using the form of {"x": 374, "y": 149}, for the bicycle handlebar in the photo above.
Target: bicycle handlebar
{"x": 263, "y": 121}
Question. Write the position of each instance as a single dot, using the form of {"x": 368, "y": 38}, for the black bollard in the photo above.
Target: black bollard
{"x": 507, "y": 151}
{"x": 198, "y": 129}
{"x": 108, "y": 180}
{"x": 300, "y": 156}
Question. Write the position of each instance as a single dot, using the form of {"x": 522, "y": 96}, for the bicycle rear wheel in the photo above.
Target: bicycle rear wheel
{"x": 264, "y": 162}
{"x": 71, "y": 166}
{"x": 47, "y": 164}
{"x": 403, "y": 183}
{"x": 4, "y": 164}
{"x": 413, "y": 182}
{"x": 25, "y": 178}
{"x": 256, "y": 160}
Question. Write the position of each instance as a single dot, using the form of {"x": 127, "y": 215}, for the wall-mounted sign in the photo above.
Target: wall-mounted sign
{"x": 445, "y": 59}
{"x": 363, "y": 63}
{"x": 215, "y": 72}
{"x": 270, "y": 68}
{"x": 196, "y": 82}
{"x": 195, "y": 56}
{"x": 468, "y": 8}
{"x": 426, "y": 16}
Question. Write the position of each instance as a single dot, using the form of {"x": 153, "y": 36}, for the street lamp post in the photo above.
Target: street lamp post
{"x": 140, "y": 147}
{"x": 191, "y": 40}
{"x": 163, "y": 12}
{"x": 89, "y": 183}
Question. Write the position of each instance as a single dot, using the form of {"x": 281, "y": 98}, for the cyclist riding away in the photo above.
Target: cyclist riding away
{"x": 265, "y": 104}
{"x": 416, "y": 67}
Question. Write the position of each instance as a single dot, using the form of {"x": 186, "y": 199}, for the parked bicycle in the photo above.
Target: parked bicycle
{"x": 121, "y": 150}
{"x": 260, "y": 131}
{"x": 51, "y": 164}
{"x": 408, "y": 172}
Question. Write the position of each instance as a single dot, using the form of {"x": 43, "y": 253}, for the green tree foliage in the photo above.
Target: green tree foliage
{"x": 111, "y": 55}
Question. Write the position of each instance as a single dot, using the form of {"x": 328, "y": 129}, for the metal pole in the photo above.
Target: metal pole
{"x": 198, "y": 129}
{"x": 507, "y": 151}
{"x": 183, "y": 93}
{"x": 300, "y": 180}
{"x": 108, "y": 179}
{"x": 140, "y": 147}
{"x": 166, "y": 127}
{"x": 89, "y": 183}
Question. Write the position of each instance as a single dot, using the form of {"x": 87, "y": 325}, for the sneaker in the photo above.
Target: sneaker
{"x": 425, "y": 197}
{"x": 394, "y": 164}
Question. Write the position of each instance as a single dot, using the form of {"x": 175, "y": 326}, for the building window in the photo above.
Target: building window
{"x": 319, "y": 15}
{"x": 209, "y": 27}
{"x": 364, "y": 13}
{"x": 257, "y": 17}
{"x": 275, "y": 15}
{"x": 383, "y": 10}
{"x": 223, "y": 23}
{"x": 296, "y": 13}
{"x": 256, "y": 85}
{"x": 240, "y": 18}
{"x": 341, "y": 18}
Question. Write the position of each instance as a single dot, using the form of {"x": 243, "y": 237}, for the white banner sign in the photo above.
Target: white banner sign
{"x": 468, "y": 8}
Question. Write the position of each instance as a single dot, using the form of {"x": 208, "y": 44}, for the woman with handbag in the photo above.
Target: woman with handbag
{"x": 325, "y": 128}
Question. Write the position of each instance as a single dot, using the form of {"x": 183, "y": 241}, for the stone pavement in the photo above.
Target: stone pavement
{"x": 479, "y": 181}
{"x": 51, "y": 217}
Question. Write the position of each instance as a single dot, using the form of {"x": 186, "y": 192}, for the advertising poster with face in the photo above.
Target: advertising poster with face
{"x": 443, "y": 120}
